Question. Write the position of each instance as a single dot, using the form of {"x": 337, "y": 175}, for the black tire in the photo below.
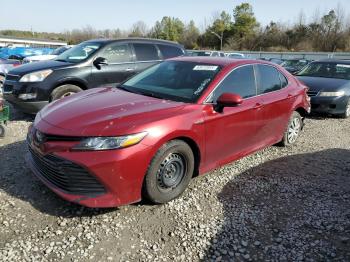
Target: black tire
{"x": 166, "y": 178}
{"x": 293, "y": 130}
{"x": 346, "y": 114}
{"x": 63, "y": 91}
{"x": 2, "y": 131}
{"x": 2, "y": 79}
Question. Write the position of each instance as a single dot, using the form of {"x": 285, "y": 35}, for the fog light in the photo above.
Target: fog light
{"x": 27, "y": 96}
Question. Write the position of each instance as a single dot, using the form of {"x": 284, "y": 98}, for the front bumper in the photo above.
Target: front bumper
{"x": 29, "y": 107}
{"x": 13, "y": 88}
{"x": 120, "y": 172}
{"x": 329, "y": 105}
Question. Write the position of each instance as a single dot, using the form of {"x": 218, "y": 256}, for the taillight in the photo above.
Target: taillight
{"x": 14, "y": 65}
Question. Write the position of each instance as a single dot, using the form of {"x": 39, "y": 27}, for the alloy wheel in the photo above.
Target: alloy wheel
{"x": 293, "y": 130}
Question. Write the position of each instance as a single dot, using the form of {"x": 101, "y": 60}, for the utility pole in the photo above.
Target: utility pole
{"x": 221, "y": 37}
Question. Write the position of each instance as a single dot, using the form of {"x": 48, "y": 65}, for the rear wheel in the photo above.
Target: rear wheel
{"x": 64, "y": 90}
{"x": 346, "y": 114}
{"x": 292, "y": 133}
{"x": 169, "y": 173}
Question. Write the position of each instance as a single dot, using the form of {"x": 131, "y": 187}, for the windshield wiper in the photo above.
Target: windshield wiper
{"x": 150, "y": 94}
{"x": 143, "y": 93}
{"x": 61, "y": 60}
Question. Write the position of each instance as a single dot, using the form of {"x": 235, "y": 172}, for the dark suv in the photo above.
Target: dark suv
{"x": 90, "y": 64}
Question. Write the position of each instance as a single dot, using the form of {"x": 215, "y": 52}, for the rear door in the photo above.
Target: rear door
{"x": 274, "y": 89}
{"x": 120, "y": 65}
{"x": 146, "y": 55}
{"x": 231, "y": 134}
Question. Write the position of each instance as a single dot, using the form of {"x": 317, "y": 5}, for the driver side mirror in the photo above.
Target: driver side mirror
{"x": 227, "y": 100}
{"x": 100, "y": 61}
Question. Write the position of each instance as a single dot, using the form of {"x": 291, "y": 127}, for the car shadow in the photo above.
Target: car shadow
{"x": 17, "y": 180}
{"x": 290, "y": 209}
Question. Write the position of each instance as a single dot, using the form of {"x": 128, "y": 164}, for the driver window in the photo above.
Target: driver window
{"x": 241, "y": 81}
{"x": 117, "y": 53}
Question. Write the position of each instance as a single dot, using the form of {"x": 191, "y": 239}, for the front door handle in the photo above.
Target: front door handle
{"x": 129, "y": 69}
{"x": 258, "y": 106}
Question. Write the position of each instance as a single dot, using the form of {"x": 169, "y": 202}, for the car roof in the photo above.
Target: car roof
{"x": 336, "y": 61}
{"x": 133, "y": 39}
{"x": 220, "y": 61}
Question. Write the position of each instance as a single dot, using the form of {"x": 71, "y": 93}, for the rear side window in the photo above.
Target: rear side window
{"x": 170, "y": 51}
{"x": 284, "y": 81}
{"x": 117, "y": 53}
{"x": 146, "y": 52}
{"x": 269, "y": 79}
{"x": 241, "y": 81}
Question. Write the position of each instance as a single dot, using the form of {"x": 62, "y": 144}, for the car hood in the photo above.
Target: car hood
{"x": 42, "y": 65}
{"x": 323, "y": 84}
{"x": 104, "y": 112}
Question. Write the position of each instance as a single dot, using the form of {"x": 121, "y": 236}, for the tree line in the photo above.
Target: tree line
{"x": 234, "y": 30}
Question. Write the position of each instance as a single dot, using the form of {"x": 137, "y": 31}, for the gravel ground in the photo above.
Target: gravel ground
{"x": 289, "y": 204}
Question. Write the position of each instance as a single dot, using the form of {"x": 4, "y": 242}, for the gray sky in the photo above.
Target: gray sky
{"x": 58, "y": 15}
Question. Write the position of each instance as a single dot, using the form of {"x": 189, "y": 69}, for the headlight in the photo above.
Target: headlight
{"x": 339, "y": 93}
{"x": 107, "y": 143}
{"x": 36, "y": 76}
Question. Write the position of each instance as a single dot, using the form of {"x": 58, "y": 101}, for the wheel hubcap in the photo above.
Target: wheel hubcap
{"x": 67, "y": 94}
{"x": 293, "y": 130}
{"x": 171, "y": 171}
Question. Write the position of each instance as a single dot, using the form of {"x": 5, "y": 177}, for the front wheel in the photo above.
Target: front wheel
{"x": 64, "y": 90}
{"x": 169, "y": 173}
{"x": 292, "y": 133}
{"x": 346, "y": 114}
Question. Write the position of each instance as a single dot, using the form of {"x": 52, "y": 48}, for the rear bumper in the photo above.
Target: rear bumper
{"x": 29, "y": 107}
{"x": 330, "y": 105}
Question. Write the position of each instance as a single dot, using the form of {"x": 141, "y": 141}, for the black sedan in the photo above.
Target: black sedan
{"x": 293, "y": 66}
{"x": 329, "y": 86}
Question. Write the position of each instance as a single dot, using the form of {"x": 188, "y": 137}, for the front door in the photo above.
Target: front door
{"x": 231, "y": 134}
{"x": 119, "y": 67}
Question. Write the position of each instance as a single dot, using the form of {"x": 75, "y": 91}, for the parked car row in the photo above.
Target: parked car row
{"x": 52, "y": 55}
{"x": 144, "y": 127}
{"x": 88, "y": 65}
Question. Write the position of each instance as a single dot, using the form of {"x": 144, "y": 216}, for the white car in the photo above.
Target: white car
{"x": 235, "y": 55}
{"x": 54, "y": 54}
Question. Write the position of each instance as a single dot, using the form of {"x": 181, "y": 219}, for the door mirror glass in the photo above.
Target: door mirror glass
{"x": 227, "y": 100}
{"x": 100, "y": 61}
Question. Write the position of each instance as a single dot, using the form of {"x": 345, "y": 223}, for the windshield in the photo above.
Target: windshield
{"x": 294, "y": 63}
{"x": 173, "y": 80}
{"x": 329, "y": 70}
{"x": 59, "y": 50}
{"x": 79, "y": 52}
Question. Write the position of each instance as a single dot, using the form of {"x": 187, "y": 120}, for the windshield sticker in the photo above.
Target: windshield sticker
{"x": 205, "y": 68}
{"x": 345, "y": 66}
{"x": 202, "y": 86}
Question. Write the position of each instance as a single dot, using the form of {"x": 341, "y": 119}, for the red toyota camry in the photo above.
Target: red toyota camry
{"x": 149, "y": 136}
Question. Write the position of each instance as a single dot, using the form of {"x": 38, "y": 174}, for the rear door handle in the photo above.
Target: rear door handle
{"x": 129, "y": 69}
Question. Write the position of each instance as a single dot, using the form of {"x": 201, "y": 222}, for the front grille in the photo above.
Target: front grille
{"x": 65, "y": 175}
{"x": 312, "y": 93}
{"x": 12, "y": 77}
